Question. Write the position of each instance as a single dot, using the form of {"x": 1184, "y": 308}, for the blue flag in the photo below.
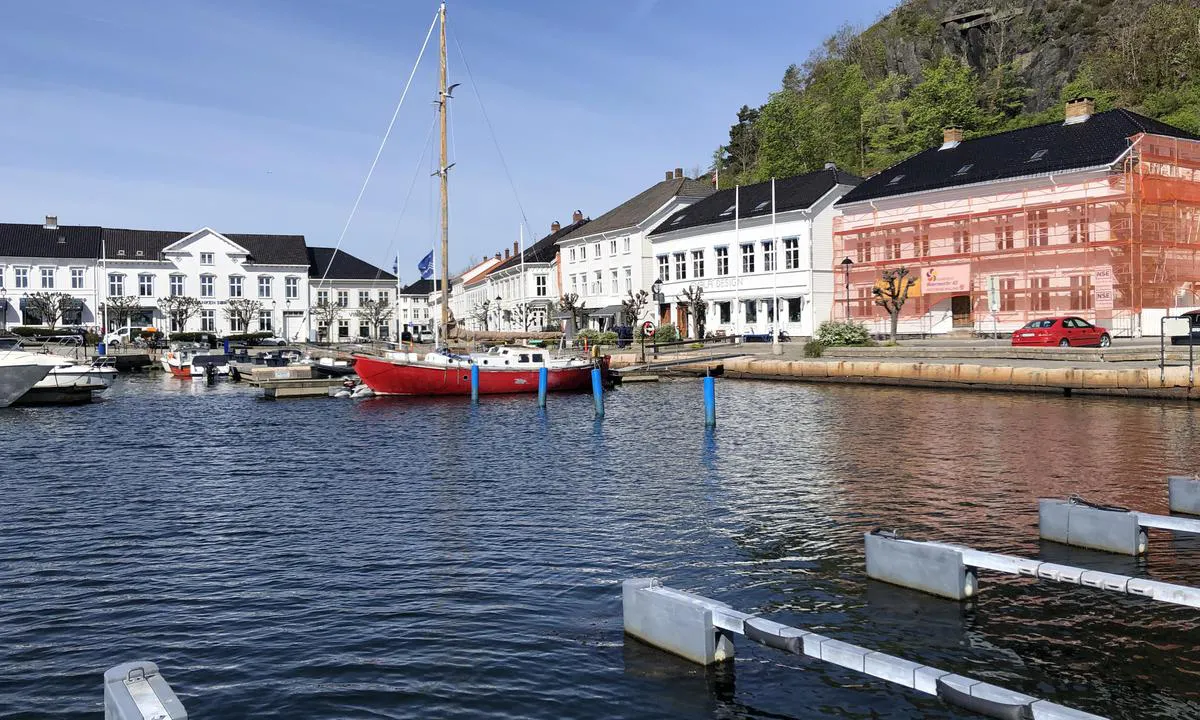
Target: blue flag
{"x": 426, "y": 266}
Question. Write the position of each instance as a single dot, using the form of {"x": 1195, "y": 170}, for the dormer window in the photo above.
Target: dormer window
{"x": 120, "y": 253}
{"x": 965, "y": 169}
{"x": 139, "y": 253}
{"x": 206, "y": 258}
{"x": 761, "y": 205}
{"x": 896, "y": 180}
{"x": 1037, "y": 155}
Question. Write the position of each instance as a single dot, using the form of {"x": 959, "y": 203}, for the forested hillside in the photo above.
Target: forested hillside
{"x": 870, "y": 97}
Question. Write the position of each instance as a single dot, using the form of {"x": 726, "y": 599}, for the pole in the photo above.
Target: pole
{"x": 445, "y": 181}
{"x": 734, "y": 259}
{"x": 474, "y": 384}
{"x": 776, "y": 349}
{"x": 710, "y": 401}
{"x": 543, "y": 383}
{"x": 597, "y": 392}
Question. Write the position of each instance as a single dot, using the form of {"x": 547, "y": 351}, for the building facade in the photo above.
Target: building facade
{"x": 415, "y": 309}
{"x": 1097, "y": 216}
{"x": 525, "y": 288}
{"x": 604, "y": 260}
{"x": 746, "y": 248}
{"x": 365, "y": 296}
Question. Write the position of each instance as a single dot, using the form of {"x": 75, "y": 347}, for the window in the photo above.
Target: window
{"x": 76, "y": 278}
{"x": 1, "y": 276}
{"x": 768, "y": 255}
{"x": 208, "y": 320}
{"x": 385, "y": 297}
{"x": 761, "y": 206}
{"x": 615, "y": 283}
{"x": 364, "y": 329}
{"x": 175, "y": 285}
{"x": 1077, "y": 225}
{"x": 237, "y": 325}
{"x": 571, "y": 255}
{"x": 895, "y": 180}
{"x": 343, "y": 298}
{"x": 697, "y": 264}
{"x": 1039, "y": 294}
{"x": 612, "y": 247}
{"x": 680, "y": 266}
{"x": 894, "y": 248}
{"x": 795, "y": 308}
{"x": 146, "y": 285}
{"x": 727, "y": 211}
{"x": 235, "y": 286}
{"x": 1004, "y": 233}
{"x": 48, "y": 278}
{"x": 748, "y": 258}
{"x": 206, "y": 258}
{"x": 20, "y": 277}
{"x": 1008, "y": 295}
{"x": 206, "y": 285}
{"x": 364, "y": 297}
{"x": 625, "y": 244}
{"x": 597, "y": 283}
{"x": 965, "y": 169}
{"x": 1037, "y": 156}
{"x": 864, "y": 249}
{"x": 264, "y": 286}
{"x": 962, "y": 237}
{"x": 266, "y": 321}
{"x": 539, "y": 285}
{"x": 291, "y": 287}
{"x": 723, "y": 311}
{"x": 769, "y": 305}
{"x": 628, "y": 278}
{"x": 1081, "y": 292}
{"x": 791, "y": 253}
{"x": 722, "y": 260}
{"x": 116, "y": 284}
{"x": 664, "y": 268}
{"x": 322, "y": 296}
{"x": 343, "y": 329}
{"x": 1037, "y": 228}
{"x": 596, "y": 250}
{"x": 678, "y": 220}
{"x": 862, "y": 305}
{"x": 922, "y": 241}
{"x": 751, "y": 310}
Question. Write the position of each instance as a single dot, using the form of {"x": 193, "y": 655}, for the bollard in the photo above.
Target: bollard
{"x": 101, "y": 349}
{"x": 136, "y": 691}
{"x": 1098, "y": 528}
{"x": 1185, "y": 494}
{"x": 543, "y": 383}
{"x": 474, "y": 383}
{"x": 225, "y": 346}
{"x": 598, "y": 392}
{"x": 710, "y": 401}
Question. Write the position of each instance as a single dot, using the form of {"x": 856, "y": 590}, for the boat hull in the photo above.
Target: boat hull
{"x": 16, "y": 380}
{"x": 385, "y": 377}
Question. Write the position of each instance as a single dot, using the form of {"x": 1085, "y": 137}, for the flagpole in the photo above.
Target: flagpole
{"x": 734, "y": 259}
{"x": 775, "y": 347}
{"x": 524, "y": 310}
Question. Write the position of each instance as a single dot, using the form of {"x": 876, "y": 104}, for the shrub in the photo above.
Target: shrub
{"x": 842, "y": 333}
{"x": 666, "y": 333}
{"x": 814, "y": 348}
{"x": 248, "y": 337}
{"x": 31, "y": 330}
{"x": 588, "y": 334}
{"x": 197, "y": 337}
{"x": 606, "y": 338}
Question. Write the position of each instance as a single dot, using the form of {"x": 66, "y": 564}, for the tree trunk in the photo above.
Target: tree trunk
{"x": 895, "y": 322}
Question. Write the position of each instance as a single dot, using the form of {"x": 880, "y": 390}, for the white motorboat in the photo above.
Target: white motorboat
{"x": 96, "y": 375}
{"x": 194, "y": 361}
{"x": 19, "y": 372}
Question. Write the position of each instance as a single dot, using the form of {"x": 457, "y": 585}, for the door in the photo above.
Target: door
{"x": 681, "y": 319}
{"x": 960, "y": 308}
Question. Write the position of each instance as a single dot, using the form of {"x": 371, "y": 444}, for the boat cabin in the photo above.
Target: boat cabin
{"x": 512, "y": 356}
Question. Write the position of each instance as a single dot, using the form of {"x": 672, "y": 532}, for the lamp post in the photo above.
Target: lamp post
{"x": 274, "y": 304}
{"x": 846, "y": 263}
{"x": 499, "y": 312}
{"x": 3, "y": 309}
{"x": 287, "y": 307}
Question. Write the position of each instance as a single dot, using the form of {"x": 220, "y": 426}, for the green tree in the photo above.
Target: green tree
{"x": 946, "y": 95}
{"x": 885, "y": 123}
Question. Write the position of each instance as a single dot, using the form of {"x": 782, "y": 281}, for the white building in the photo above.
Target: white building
{"x": 352, "y": 285}
{"x": 469, "y": 293}
{"x": 608, "y": 257}
{"x": 530, "y": 279}
{"x": 742, "y": 256}
{"x": 415, "y": 306}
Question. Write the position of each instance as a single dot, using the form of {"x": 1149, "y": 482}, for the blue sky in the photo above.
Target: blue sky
{"x": 264, "y": 115}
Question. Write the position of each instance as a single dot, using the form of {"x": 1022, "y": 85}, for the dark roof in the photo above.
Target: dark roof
{"x": 74, "y": 241}
{"x": 543, "y": 250}
{"x": 422, "y": 287}
{"x": 345, "y": 266}
{"x": 794, "y": 193}
{"x": 1036, "y": 150}
{"x": 265, "y": 249}
{"x": 639, "y": 207}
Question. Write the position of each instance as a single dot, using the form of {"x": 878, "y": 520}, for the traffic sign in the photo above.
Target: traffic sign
{"x": 648, "y": 328}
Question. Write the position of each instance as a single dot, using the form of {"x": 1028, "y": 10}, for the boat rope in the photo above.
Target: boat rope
{"x": 379, "y": 152}
{"x": 492, "y": 131}
{"x": 1077, "y": 500}
{"x": 407, "y": 195}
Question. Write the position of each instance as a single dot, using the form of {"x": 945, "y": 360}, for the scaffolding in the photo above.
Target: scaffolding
{"x": 1117, "y": 245}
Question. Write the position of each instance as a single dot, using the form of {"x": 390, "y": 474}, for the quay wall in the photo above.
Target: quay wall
{"x": 1062, "y": 379}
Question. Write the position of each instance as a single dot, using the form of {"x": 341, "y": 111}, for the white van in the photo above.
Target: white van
{"x": 125, "y": 335}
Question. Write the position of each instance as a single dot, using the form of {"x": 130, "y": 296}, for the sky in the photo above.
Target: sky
{"x": 264, "y": 116}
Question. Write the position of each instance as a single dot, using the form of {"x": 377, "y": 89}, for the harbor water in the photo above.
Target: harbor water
{"x": 402, "y": 558}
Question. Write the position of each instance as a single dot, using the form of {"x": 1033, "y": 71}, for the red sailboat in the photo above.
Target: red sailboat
{"x": 511, "y": 369}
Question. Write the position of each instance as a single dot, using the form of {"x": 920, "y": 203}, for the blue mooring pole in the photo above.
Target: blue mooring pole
{"x": 474, "y": 383}
{"x": 710, "y": 401}
{"x": 598, "y": 392}
{"x": 543, "y": 383}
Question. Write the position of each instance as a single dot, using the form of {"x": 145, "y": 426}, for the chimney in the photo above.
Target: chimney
{"x": 516, "y": 247}
{"x": 951, "y": 137}
{"x": 831, "y": 166}
{"x": 669, "y": 175}
{"x": 1079, "y": 110}
{"x": 497, "y": 254}
{"x": 51, "y": 222}
{"x": 555, "y": 227}
{"x": 506, "y": 255}
{"x": 577, "y": 216}
{"x": 678, "y": 173}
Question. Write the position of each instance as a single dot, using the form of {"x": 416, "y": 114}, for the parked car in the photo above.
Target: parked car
{"x": 271, "y": 341}
{"x": 1193, "y": 338}
{"x": 126, "y": 335}
{"x": 1061, "y": 331}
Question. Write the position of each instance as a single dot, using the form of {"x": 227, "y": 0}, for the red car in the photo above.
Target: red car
{"x": 1061, "y": 331}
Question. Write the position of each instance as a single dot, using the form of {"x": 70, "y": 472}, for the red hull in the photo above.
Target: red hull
{"x": 390, "y": 378}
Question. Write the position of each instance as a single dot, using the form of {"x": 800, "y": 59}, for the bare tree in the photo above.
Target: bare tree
{"x": 632, "y": 307}
{"x": 573, "y": 306}
{"x": 523, "y": 314}
{"x": 326, "y": 313}
{"x": 49, "y": 306}
{"x": 179, "y": 308}
{"x": 243, "y": 310}
{"x": 482, "y": 314}
{"x": 122, "y": 307}
{"x": 693, "y": 296}
{"x": 891, "y": 292}
{"x": 375, "y": 313}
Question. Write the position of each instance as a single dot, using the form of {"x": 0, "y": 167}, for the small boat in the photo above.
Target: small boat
{"x": 506, "y": 369}
{"x": 19, "y": 372}
{"x": 331, "y": 367}
{"x": 194, "y": 361}
{"x": 70, "y": 382}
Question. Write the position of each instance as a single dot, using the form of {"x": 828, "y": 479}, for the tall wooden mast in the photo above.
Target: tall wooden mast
{"x": 444, "y": 171}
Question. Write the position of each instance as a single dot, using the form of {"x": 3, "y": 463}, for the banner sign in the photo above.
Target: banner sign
{"x": 1102, "y": 288}
{"x": 946, "y": 278}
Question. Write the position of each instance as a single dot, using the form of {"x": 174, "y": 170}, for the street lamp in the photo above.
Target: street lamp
{"x": 3, "y": 309}
{"x": 846, "y": 263}
{"x": 499, "y": 313}
{"x": 274, "y": 304}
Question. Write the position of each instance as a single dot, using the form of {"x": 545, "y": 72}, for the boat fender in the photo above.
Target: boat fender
{"x": 794, "y": 645}
{"x": 362, "y": 391}
{"x": 987, "y": 708}
{"x": 342, "y": 394}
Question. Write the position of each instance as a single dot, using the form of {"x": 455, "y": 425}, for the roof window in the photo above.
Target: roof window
{"x": 139, "y": 253}
{"x": 1038, "y": 155}
{"x": 761, "y": 205}
{"x": 727, "y": 211}
{"x": 678, "y": 220}
{"x": 896, "y": 180}
{"x": 965, "y": 169}
{"x": 121, "y": 253}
